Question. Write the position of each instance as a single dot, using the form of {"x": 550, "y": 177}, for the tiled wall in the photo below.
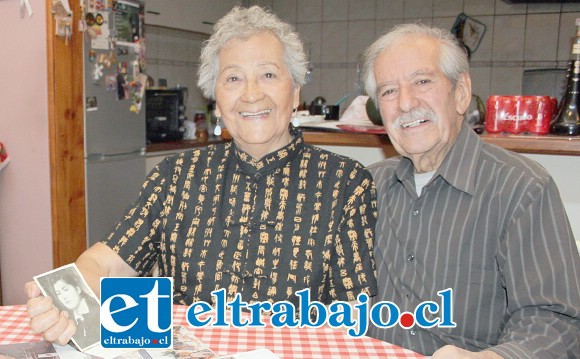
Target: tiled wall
{"x": 173, "y": 55}
{"x": 335, "y": 32}
{"x": 518, "y": 37}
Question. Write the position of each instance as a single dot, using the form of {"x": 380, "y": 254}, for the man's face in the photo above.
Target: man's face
{"x": 421, "y": 109}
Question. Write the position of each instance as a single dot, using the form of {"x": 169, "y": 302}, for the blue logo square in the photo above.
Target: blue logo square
{"x": 137, "y": 312}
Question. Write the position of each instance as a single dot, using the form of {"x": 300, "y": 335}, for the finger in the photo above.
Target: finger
{"x": 38, "y": 306}
{"x": 70, "y": 330}
{"x": 59, "y": 331}
{"x": 43, "y": 321}
{"x": 32, "y": 290}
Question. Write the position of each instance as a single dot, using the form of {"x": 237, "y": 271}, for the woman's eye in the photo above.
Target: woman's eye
{"x": 423, "y": 81}
{"x": 269, "y": 75}
{"x": 232, "y": 79}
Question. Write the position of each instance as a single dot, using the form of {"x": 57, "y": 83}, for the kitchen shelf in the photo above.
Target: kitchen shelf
{"x": 547, "y": 145}
{"x": 181, "y": 144}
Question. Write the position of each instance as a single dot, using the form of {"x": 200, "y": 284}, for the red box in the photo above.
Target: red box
{"x": 519, "y": 114}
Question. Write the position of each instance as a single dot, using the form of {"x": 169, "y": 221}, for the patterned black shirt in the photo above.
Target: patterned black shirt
{"x": 301, "y": 217}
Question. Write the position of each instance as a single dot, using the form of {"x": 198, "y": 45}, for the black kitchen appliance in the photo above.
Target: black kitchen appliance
{"x": 165, "y": 113}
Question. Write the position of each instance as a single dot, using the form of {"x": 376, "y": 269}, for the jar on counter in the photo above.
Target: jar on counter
{"x": 200, "y": 126}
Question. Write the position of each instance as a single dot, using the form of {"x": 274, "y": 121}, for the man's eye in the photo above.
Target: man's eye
{"x": 270, "y": 75}
{"x": 232, "y": 79}
{"x": 423, "y": 81}
{"x": 388, "y": 94}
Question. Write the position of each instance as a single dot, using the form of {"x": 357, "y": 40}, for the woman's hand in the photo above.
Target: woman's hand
{"x": 453, "y": 352}
{"x": 46, "y": 319}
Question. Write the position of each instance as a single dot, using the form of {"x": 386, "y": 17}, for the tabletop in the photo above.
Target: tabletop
{"x": 285, "y": 342}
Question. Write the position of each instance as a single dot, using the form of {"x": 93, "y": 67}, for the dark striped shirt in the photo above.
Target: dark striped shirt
{"x": 301, "y": 217}
{"x": 490, "y": 225}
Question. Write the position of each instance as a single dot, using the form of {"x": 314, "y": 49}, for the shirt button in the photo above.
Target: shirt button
{"x": 413, "y": 332}
{"x": 410, "y": 257}
{"x": 415, "y": 212}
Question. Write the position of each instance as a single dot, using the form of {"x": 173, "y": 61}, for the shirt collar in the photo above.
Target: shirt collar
{"x": 459, "y": 166}
{"x": 82, "y": 309}
{"x": 273, "y": 160}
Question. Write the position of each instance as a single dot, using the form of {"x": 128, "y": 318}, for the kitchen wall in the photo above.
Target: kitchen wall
{"x": 517, "y": 37}
{"x": 173, "y": 55}
{"x": 25, "y": 211}
{"x": 336, "y": 32}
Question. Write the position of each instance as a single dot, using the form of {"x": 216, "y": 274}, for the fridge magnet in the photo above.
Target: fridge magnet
{"x": 90, "y": 19}
{"x": 122, "y": 68}
{"x": 138, "y": 91}
{"x": 107, "y": 60}
{"x": 92, "y": 55}
{"x": 3, "y": 156}
{"x": 100, "y": 19}
{"x": 100, "y": 5}
{"x": 100, "y": 31}
{"x": 111, "y": 83}
{"x": 91, "y": 103}
{"x": 122, "y": 51}
{"x": 127, "y": 22}
{"x": 91, "y": 5}
{"x": 98, "y": 72}
{"x": 121, "y": 86}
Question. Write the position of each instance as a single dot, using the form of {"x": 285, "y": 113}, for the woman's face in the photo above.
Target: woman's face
{"x": 68, "y": 294}
{"x": 255, "y": 94}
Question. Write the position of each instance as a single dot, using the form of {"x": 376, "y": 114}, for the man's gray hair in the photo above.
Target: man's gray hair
{"x": 243, "y": 23}
{"x": 453, "y": 60}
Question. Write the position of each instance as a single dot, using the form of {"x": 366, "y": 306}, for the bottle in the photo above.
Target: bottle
{"x": 201, "y": 133}
{"x": 567, "y": 121}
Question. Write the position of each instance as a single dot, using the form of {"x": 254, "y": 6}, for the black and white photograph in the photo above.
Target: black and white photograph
{"x": 69, "y": 292}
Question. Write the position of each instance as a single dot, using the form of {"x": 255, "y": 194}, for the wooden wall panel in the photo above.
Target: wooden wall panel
{"x": 66, "y": 131}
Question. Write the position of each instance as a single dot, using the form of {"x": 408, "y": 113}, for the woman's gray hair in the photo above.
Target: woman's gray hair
{"x": 242, "y": 23}
{"x": 453, "y": 60}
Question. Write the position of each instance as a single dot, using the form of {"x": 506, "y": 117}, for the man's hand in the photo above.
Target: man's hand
{"x": 453, "y": 352}
{"x": 46, "y": 319}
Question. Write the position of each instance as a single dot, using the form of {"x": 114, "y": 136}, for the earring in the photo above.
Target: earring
{"x": 295, "y": 120}
{"x": 217, "y": 130}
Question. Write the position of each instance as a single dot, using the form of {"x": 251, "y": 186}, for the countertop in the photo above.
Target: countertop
{"x": 549, "y": 144}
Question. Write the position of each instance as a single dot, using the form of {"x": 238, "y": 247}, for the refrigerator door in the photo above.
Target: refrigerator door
{"x": 110, "y": 127}
{"x": 112, "y": 185}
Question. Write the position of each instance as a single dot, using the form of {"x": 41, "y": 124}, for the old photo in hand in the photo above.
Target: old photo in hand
{"x": 69, "y": 292}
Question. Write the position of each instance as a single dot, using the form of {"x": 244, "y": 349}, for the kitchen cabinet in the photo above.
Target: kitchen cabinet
{"x": 190, "y": 15}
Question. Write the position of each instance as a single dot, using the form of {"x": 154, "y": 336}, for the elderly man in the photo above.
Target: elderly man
{"x": 455, "y": 212}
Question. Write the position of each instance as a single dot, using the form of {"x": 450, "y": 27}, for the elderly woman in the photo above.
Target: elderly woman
{"x": 265, "y": 215}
